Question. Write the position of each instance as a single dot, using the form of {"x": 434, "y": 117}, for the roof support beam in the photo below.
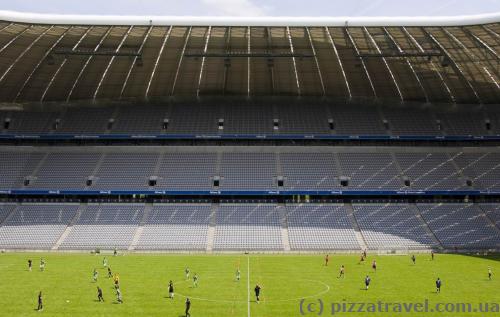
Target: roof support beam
{"x": 180, "y": 60}
{"x": 205, "y": 48}
{"x": 472, "y": 57}
{"x": 334, "y": 47}
{"x": 51, "y": 81}
{"x": 270, "y": 62}
{"x": 353, "y": 43}
{"x": 249, "y": 51}
{"x": 313, "y": 49}
{"x": 386, "y": 64}
{"x": 491, "y": 32}
{"x": 226, "y": 62}
{"x": 292, "y": 50}
{"x": 124, "y": 38}
{"x": 486, "y": 46}
{"x": 146, "y": 36}
{"x": 400, "y": 50}
{"x": 87, "y": 62}
{"x": 37, "y": 66}
{"x": 433, "y": 64}
{"x": 14, "y": 38}
{"x": 454, "y": 64}
{"x": 6, "y": 27}
{"x": 157, "y": 61}
{"x": 24, "y": 52}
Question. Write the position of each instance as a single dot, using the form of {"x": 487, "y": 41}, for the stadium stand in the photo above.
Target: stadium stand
{"x": 248, "y": 227}
{"x": 392, "y": 226}
{"x": 239, "y": 169}
{"x": 104, "y": 226}
{"x": 176, "y": 227}
{"x": 36, "y": 226}
{"x": 313, "y": 118}
{"x": 272, "y": 139}
{"x": 320, "y": 227}
{"x": 460, "y": 225}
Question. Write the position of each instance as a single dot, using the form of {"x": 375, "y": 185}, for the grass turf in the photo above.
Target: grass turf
{"x": 69, "y": 290}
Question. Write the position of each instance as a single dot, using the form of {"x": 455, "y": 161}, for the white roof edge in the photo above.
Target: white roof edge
{"x": 59, "y": 19}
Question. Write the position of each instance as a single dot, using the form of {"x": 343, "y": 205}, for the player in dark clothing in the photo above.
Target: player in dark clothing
{"x": 490, "y": 273}
{"x": 438, "y": 285}
{"x": 110, "y": 275}
{"x": 361, "y": 259}
{"x": 374, "y": 266}
{"x": 40, "y": 301}
{"x": 367, "y": 282}
{"x": 99, "y": 294}
{"x": 432, "y": 255}
{"x": 413, "y": 259}
{"x": 171, "y": 290}
{"x": 326, "y": 260}
{"x": 188, "y": 306}
{"x": 257, "y": 293}
{"x": 30, "y": 264}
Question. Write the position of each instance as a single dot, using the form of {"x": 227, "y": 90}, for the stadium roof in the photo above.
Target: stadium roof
{"x": 66, "y": 58}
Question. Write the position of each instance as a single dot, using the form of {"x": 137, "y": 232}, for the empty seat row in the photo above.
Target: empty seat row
{"x": 250, "y": 226}
{"x": 258, "y": 118}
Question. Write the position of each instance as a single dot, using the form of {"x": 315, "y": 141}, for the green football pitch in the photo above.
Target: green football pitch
{"x": 292, "y": 285}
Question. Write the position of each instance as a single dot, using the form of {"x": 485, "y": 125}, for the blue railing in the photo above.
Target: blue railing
{"x": 31, "y": 192}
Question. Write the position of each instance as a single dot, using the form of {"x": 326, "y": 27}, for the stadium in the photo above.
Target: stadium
{"x": 259, "y": 146}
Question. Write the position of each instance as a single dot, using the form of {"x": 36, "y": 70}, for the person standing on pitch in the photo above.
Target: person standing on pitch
{"x": 40, "y": 302}
{"x": 42, "y": 265}
{"x": 238, "y": 274}
{"x": 342, "y": 272}
{"x": 195, "y": 280}
{"x": 438, "y": 285}
{"x": 99, "y": 294}
{"x": 326, "y": 260}
{"x": 30, "y": 264}
{"x": 171, "y": 290}
{"x": 367, "y": 282}
{"x": 119, "y": 296}
{"x": 257, "y": 293}
{"x": 413, "y": 259}
{"x": 188, "y": 306}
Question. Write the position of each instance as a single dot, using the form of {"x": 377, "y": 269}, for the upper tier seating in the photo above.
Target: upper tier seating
{"x": 73, "y": 169}
{"x": 266, "y": 118}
